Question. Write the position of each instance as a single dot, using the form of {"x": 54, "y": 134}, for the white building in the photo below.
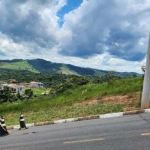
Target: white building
{"x": 34, "y": 84}
{"x": 14, "y": 88}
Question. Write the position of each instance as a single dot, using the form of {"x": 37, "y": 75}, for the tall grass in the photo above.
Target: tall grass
{"x": 51, "y": 107}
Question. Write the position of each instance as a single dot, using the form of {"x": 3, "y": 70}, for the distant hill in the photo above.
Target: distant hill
{"x": 43, "y": 66}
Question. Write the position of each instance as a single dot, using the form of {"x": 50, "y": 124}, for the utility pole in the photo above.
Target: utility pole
{"x": 145, "y": 101}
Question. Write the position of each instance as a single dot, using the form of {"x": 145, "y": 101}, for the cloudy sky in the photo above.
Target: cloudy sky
{"x": 101, "y": 34}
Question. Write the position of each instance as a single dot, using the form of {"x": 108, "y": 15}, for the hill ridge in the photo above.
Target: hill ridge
{"x": 39, "y": 65}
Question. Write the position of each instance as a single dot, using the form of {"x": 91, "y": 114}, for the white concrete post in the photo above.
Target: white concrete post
{"x": 145, "y": 101}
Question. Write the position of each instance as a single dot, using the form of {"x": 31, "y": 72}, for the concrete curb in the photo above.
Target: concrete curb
{"x": 102, "y": 116}
{"x": 112, "y": 115}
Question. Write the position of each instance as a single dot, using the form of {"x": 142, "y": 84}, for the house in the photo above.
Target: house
{"x": 13, "y": 81}
{"x": 34, "y": 84}
{"x": 14, "y": 88}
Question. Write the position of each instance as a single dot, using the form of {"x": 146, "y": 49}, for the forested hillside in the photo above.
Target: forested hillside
{"x": 53, "y": 80}
{"x": 43, "y": 66}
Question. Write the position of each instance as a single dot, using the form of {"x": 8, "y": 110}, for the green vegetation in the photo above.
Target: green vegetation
{"x": 38, "y": 91}
{"x": 20, "y": 65}
{"x": 49, "y": 80}
{"x": 72, "y": 102}
{"x": 7, "y": 96}
{"x": 65, "y": 70}
{"x": 43, "y": 66}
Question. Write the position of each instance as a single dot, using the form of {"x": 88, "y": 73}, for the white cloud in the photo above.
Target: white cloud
{"x": 121, "y": 23}
{"x": 97, "y": 34}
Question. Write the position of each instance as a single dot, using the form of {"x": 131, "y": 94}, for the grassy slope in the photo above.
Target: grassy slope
{"x": 37, "y": 91}
{"x": 21, "y": 65}
{"x": 43, "y": 66}
{"x": 65, "y": 70}
{"x": 99, "y": 74}
{"x": 47, "y": 108}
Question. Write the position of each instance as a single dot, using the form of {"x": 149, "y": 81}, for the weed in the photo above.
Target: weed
{"x": 52, "y": 107}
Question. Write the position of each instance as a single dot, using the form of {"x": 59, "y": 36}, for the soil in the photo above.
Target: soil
{"x": 126, "y": 100}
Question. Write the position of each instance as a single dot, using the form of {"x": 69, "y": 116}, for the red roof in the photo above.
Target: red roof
{"x": 33, "y": 82}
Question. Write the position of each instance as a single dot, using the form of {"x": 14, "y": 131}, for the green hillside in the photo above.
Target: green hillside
{"x": 90, "y": 99}
{"x": 43, "y": 66}
{"x": 65, "y": 70}
{"x": 99, "y": 74}
{"x": 20, "y": 65}
{"x": 73, "y": 91}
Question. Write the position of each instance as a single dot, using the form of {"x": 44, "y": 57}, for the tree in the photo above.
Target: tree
{"x": 111, "y": 76}
{"x": 29, "y": 93}
{"x": 6, "y": 95}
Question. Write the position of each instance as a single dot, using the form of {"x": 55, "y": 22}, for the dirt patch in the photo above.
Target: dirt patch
{"x": 87, "y": 102}
{"x": 126, "y": 100}
{"x": 114, "y": 100}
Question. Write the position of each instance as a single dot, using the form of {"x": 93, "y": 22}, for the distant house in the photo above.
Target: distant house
{"x": 13, "y": 81}
{"x": 14, "y": 88}
{"x": 1, "y": 82}
{"x": 34, "y": 84}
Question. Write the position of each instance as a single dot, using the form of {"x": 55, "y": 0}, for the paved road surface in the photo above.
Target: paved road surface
{"x": 123, "y": 133}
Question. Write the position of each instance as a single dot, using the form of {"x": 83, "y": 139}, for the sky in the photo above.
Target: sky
{"x": 100, "y": 34}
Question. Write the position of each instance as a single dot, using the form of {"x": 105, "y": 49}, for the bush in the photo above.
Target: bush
{"x": 29, "y": 93}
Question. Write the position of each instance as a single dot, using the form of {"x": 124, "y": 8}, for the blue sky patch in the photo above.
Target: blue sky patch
{"x": 71, "y": 5}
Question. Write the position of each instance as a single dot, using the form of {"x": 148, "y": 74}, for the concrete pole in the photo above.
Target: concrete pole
{"x": 145, "y": 101}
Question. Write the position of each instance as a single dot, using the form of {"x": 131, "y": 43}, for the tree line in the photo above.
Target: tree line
{"x": 57, "y": 82}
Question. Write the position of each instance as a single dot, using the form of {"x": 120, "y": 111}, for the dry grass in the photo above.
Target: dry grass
{"x": 101, "y": 105}
{"x": 130, "y": 102}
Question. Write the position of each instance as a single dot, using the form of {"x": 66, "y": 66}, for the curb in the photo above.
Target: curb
{"x": 102, "y": 116}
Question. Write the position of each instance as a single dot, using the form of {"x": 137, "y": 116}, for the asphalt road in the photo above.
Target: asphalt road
{"x": 131, "y": 132}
